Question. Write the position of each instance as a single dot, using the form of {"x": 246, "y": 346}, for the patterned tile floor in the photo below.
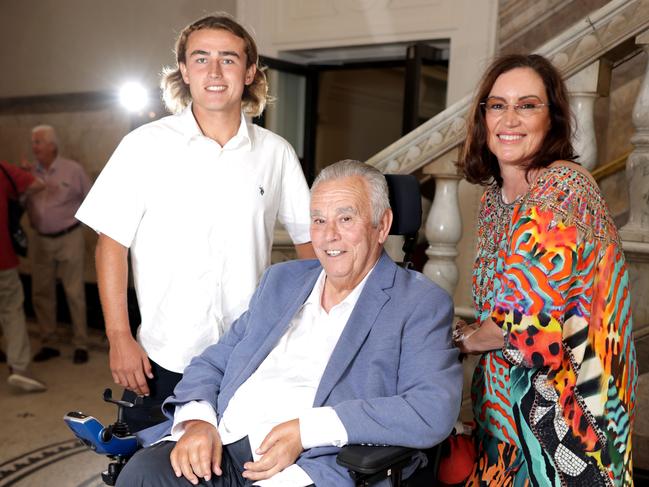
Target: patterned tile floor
{"x": 36, "y": 448}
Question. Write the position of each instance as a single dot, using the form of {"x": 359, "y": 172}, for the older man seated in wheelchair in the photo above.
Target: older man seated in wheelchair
{"x": 346, "y": 349}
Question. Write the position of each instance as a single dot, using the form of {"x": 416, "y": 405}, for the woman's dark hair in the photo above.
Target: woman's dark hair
{"x": 478, "y": 163}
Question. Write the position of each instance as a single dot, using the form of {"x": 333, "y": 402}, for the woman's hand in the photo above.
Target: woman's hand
{"x": 478, "y": 337}
{"x": 461, "y": 334}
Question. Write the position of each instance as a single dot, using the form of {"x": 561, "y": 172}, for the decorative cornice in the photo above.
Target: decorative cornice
{"x": 570, "y": 51}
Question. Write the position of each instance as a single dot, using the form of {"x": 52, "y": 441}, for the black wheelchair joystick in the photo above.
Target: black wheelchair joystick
{"x": 114, "y": 440}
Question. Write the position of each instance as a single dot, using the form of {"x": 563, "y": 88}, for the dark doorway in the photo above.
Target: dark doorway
{"x": 352, "y": 102}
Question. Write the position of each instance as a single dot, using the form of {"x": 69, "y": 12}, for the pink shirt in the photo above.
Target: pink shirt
{"x": 66, "y": 185}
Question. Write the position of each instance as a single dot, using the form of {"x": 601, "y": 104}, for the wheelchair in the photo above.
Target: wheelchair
{"x": 366, "y": 464}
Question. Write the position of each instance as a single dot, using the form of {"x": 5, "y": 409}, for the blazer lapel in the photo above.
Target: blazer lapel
{"x": 360, "y": 322}
{"x": 285, "y": 315}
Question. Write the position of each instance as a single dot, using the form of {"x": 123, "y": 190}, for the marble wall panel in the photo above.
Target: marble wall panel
{"x": 525, "y": 25}
{"x": 71, "y": 46}
{"x": 89, "y": 137}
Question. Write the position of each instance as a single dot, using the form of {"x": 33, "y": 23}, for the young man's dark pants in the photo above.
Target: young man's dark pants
{"x": 149, "y": 413}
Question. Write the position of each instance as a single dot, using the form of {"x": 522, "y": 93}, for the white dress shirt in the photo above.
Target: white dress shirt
{"x": 284, "y": 387}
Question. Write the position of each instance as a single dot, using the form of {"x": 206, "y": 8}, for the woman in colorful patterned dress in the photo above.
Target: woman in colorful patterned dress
{"x": 554, "y": 390}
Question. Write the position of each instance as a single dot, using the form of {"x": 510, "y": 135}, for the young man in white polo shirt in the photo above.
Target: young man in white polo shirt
{"x": 195, "y": 197}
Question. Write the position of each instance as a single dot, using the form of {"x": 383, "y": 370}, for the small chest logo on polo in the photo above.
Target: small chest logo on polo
{"x": 261, "y": 190}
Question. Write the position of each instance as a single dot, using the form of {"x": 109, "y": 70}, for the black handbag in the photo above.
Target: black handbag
{"x": 15, "y": 212}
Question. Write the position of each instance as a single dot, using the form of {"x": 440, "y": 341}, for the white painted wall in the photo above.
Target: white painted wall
{"x": 284, "y": 25}
{"x": 71, "y": 46}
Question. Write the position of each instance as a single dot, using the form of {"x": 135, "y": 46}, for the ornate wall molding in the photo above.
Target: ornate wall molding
{"x": 571, "y": 51}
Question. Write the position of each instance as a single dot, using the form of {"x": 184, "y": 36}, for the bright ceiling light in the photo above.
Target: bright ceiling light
{"x": 133, "y": 96}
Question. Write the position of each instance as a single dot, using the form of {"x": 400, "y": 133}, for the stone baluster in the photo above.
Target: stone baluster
{"x": 444, "y": 223}
{"x": 584, "y": 87}
{"x": 637, "y": 167}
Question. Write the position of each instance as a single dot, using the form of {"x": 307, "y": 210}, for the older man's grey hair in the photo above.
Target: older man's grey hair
{"x": 50, "y": 133}
{"x": 376, "y": 183}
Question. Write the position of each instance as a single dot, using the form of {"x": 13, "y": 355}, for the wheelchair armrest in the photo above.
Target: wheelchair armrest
{"x": 370, "y": 460}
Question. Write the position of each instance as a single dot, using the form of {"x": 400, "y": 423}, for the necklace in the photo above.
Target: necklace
{"x": 516, "y": 199}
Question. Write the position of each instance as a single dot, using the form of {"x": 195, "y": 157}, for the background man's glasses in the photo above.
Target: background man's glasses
{"x": 497, "y": 108}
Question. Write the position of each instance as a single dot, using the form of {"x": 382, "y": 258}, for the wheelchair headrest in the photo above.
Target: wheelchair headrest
{"x": 405, "y": 200}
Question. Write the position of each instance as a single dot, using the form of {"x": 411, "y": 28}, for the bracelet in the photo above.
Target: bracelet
{"x": 466, "y": 337}
{"x": 459, "y": 336}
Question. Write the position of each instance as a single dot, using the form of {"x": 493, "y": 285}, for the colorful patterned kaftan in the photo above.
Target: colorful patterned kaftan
{"x": 555, "y": 405}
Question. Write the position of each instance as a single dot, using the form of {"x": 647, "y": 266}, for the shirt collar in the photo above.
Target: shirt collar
{"x": 189, "y": 123}
{"x": 315, "y": 298}
{"x": 41, "y": 169}
{"x": 241, "y": 140}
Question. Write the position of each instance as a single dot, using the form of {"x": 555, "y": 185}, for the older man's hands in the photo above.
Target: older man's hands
{"x": 198, "y": 452}
{"x": 280, "y": 449}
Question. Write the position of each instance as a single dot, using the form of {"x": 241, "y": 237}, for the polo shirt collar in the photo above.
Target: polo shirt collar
{"x": 41, "y": 169}
{"x": 241, "y": 140}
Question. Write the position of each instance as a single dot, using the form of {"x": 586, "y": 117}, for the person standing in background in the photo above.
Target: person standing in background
{"x": 13, "y": 183}
{"x": 58, "y": 247}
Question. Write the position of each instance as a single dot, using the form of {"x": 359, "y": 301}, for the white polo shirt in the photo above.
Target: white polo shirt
{"x": 199, "y": 220}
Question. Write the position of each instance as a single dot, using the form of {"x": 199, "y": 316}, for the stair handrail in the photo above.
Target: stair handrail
{"x": 609, "y": 168}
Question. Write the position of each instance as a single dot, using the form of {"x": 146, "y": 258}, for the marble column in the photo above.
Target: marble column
{"x": 444, "y": 223}
{"x": 637, "y": 168}
{"x": 583, "y": 90}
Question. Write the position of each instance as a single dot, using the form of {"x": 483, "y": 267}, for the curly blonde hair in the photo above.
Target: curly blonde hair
{"x": 175, "y": 92}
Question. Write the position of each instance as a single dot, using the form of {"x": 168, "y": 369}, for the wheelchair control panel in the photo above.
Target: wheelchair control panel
{"x": 114, "y": 440}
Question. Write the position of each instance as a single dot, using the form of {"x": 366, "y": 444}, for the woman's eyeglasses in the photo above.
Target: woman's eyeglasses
{"x": 497, "y": 108}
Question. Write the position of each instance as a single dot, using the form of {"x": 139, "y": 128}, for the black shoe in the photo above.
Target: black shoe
{"x": 46, "y": 353}
{"x": 80, "y": 356}
{"x": 3, "y": 357}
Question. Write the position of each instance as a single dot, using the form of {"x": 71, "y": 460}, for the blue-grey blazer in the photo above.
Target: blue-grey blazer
{"x": 393, "y": 378}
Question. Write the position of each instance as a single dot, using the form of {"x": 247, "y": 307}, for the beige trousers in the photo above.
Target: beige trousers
{"x": 12, "y": 319}
{"x": 63, "y": 257}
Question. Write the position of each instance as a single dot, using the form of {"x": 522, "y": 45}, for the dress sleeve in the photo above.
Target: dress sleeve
{"x": 536, "y": 278}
